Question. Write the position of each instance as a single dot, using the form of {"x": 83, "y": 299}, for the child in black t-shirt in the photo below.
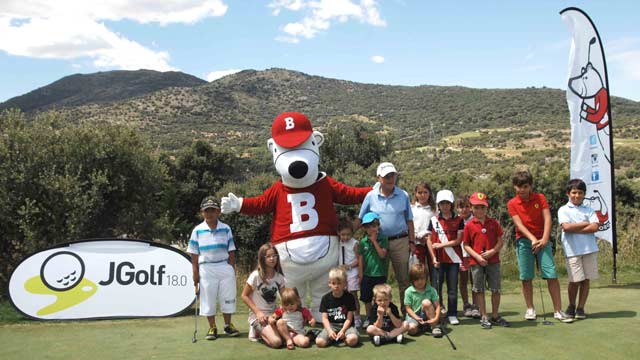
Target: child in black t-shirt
{"x": 384, "y": 318}
{"x": 337, "y": 307}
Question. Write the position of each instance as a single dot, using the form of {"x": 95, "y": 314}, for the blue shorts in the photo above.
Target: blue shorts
{"x": 526, "y": 260}
{"x": 366, "y": 287}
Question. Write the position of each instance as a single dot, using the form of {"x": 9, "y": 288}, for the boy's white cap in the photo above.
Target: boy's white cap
{"x": 444, "y": 195}
{"x": 386, "y": 168}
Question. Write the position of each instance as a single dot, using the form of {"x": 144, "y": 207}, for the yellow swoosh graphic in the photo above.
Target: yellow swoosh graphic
{"x": 65, "y": 299}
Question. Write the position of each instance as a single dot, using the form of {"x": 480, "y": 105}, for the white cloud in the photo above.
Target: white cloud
{"x": 278, "y": 5}
{"x": 215, "y": 75}
{"x": 72, "y": 29}
{"x": 321, "y": 14}
{"x": 377, "y": 59}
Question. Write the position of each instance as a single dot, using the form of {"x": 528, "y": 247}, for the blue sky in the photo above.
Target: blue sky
{"x": 480, "y": 44}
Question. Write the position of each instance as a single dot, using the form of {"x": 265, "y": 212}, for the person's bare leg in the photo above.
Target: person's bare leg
{"x": 495, "y": 303}
{"x": 464, "y": 287}
{"x": 479, "y": 296}
{"x": 554, "y": 290}
{"x": 584, "y": 293}
{"x": 572, "y": 290}
{"x": 527, "y": 292}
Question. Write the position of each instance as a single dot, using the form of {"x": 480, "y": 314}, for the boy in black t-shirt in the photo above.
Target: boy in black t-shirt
{"x": 385, "y": 320}
{"x": 337, "y": 307}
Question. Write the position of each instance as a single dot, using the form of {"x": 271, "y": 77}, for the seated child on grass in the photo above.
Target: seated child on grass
{"x": 384, "y": 319}
{"x": 421, "y": 303}
{"x": 337, "y": 307}
{"x": 290, "y": 319}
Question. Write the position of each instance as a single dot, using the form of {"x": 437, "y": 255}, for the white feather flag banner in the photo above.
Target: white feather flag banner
{"x": 590, "y": 112}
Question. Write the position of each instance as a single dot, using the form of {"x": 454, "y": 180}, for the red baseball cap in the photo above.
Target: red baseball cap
{"x": 291, "y": 129}
{"x": 478, "y": 198}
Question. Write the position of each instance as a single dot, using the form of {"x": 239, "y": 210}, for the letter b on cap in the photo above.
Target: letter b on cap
{"x": 289, "y": 123}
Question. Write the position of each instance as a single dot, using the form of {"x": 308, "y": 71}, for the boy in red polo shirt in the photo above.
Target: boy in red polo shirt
{"x": 532, "y": 219}
{"x": 483, "y": 240}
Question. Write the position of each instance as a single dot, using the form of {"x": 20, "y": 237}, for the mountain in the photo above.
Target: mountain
{"x": 237, "y": 110}
{"x": 101, "y": 87}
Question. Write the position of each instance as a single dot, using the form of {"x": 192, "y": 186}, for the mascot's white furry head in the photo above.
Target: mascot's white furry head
{"x": 295, "y": 147}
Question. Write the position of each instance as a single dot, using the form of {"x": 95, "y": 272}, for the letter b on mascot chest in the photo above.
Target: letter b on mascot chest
{"x": 304, "y": 216}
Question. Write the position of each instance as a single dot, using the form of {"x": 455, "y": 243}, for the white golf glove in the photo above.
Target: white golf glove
{"x": 230, "y": 204}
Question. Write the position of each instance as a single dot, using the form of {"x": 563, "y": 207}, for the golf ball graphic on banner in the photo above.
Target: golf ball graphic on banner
{"x": 62, "y": 271}
{"x": 107, "y": 278}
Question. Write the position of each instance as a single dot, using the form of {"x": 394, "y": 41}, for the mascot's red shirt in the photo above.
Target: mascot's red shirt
{"x": 304, "y": 212}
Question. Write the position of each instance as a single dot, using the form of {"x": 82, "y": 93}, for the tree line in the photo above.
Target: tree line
{"x": 62, "y": 181}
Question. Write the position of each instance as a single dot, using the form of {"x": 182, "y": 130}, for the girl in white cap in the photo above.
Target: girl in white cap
{"x": 444, "y": 246}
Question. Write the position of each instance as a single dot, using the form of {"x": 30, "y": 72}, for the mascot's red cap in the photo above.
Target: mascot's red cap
{"x": 291, "y": 129}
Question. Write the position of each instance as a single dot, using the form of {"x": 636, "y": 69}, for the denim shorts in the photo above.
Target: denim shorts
{"x": 482, "y": 275}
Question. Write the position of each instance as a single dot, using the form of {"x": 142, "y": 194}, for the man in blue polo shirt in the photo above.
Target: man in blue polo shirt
{"x": 393, "y": 206}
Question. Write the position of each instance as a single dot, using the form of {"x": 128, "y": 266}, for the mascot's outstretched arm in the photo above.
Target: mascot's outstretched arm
{"x": 230, "y": 204}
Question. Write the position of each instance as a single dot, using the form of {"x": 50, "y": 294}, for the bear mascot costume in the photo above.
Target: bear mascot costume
{"x": 304, "y": 225}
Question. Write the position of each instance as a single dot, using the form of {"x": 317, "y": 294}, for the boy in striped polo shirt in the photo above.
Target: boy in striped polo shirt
{"x": 213, "y": 260}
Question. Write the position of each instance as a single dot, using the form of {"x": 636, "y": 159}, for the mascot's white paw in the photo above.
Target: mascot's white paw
{"x": 230, "y": 204}
{"x": 376, "y": 186}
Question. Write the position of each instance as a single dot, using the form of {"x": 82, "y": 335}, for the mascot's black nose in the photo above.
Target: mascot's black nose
{"x": 298, "y": 169}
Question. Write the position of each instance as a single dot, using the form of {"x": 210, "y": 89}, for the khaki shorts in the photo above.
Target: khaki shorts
{"x": 582, "y": 267}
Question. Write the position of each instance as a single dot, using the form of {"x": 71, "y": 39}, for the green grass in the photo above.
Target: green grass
{"x": 610, "y": 332}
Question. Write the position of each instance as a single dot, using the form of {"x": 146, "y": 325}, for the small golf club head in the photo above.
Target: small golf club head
{"x": 547, "y": 322}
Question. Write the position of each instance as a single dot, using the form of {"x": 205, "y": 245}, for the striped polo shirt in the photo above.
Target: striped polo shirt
{"x": 212, "y": 245}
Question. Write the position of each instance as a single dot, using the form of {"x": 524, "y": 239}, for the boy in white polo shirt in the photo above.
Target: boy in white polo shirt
{"x": 579, "y": 223}
{"x": 213, "y": 260}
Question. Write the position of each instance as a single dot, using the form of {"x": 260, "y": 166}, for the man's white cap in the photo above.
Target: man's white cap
{"x": 444, "y": 195}
{"x": 386, "y": 168}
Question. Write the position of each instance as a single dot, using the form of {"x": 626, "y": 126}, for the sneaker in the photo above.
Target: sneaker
{"x": 580, "y": 314}
{"x": 312, "y": 334}
{"x": 443, "y": 310}
{"x": 467, "y": 310}
{"x": 365, "y": 324}
{"x": 571, "y": 311}
{"x": 436, "y": 332}
{"x": 475, "y": 312}
{"x": 453, "y": 320}
{"x": 561, "y": 316}
{"x": 500, "y": 321}
{"x": 212, "y": 334}
{"x": 399, "y": 339}
{"x": 530, "y": 314}
{"x": 252, "y": 334}
{"x": 485, "y": 323}
{"x": 231, "y": 330}
{"x": 378, "y": 340}
{"x": 358, "y": 323}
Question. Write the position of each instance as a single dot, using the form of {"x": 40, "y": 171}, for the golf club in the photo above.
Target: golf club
{"x": 443, "y": 324}
{"x": 544, "y": 313}
{"x": 195, "y": 314}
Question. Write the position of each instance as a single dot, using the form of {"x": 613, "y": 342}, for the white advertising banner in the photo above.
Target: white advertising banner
{"x": 588, "y": 101}
{"x": 107, "y": 278}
